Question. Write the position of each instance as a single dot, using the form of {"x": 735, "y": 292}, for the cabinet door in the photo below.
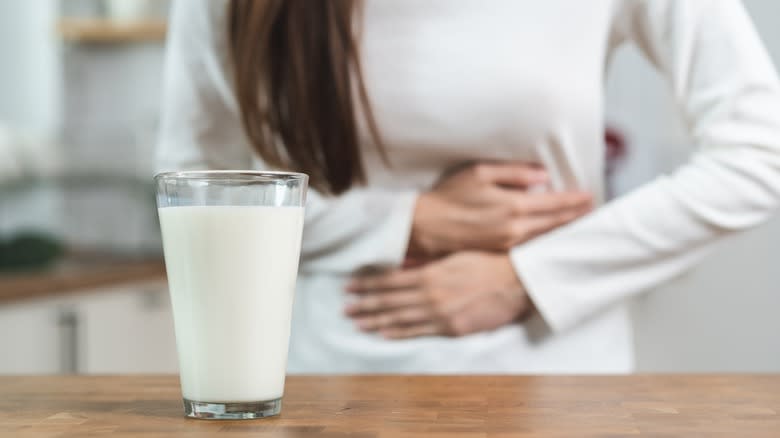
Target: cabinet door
{"x": 30, "y": 338}
{"x": 127, "y": 330}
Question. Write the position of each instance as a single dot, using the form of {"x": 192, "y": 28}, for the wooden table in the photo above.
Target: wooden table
{"x": 410, "y": 406}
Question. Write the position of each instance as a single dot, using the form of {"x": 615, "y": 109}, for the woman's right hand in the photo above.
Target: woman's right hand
{"x": 488, "y": 206}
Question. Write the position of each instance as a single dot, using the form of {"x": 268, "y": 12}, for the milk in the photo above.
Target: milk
{"x": 231, "y": 272}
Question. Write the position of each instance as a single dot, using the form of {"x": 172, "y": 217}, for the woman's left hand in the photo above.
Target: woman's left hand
{"x": 463, "y": 293}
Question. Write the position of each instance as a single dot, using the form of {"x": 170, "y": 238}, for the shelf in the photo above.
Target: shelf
{"x": 101, "y": 31}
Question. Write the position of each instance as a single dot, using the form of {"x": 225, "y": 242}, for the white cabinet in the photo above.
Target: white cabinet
{"x": 32, "y": 340}
{"x": 116, "y": 330}
{"x": 127, "y": 330}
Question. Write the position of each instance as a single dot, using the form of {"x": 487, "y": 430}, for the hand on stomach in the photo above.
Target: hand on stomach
{"x": 461, "y": 280}
{"x": 489, "y": 206}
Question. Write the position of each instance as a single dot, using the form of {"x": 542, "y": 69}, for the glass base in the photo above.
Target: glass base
{"x": 232, "y": 411}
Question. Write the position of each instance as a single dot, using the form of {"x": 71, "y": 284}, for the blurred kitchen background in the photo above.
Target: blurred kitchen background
{"x": 82, "y": 284}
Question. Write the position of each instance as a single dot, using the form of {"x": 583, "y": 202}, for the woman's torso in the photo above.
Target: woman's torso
{"x": 452, "y": 82}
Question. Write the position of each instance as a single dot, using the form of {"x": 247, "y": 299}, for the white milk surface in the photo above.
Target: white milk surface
{"x": 231, "y": 272}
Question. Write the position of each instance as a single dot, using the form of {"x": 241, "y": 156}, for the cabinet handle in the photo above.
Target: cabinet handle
{"x": 68, "y": 322}
{"x": 154, "y": 299}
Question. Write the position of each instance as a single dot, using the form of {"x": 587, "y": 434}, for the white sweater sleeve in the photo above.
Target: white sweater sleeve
{"x": 201, "y": 129}
{"x": 729, "y": 94}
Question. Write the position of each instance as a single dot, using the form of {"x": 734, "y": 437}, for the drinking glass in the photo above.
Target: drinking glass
{"x": 232, "y": 243}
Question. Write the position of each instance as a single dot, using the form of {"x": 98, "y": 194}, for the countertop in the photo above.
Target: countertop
{"x": 409, "y": 406}
{"x": 78, "y": 273}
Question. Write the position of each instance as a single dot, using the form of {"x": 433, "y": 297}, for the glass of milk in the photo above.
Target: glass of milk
{"x": 232, "y": 242}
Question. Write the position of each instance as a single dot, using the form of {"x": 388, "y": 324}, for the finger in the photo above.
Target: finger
{"x": 382, "y": 301}
{"x": 512, "y": 174}
{"x": 533, "y": 226}
{"x": 395, "y": 318}
{"x": 396, "y": 279}
{"x": 543, "y": 203}
{"x": 413, "y": 331}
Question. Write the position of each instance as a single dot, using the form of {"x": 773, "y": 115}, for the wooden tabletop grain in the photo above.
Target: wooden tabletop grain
{"x": 409, "y": 406}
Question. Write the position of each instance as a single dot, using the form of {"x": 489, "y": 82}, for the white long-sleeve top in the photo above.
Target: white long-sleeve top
{"x": 452, "y": 81}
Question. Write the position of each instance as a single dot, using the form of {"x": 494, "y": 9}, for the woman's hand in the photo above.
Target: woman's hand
{"x": 463, "y": 293}
{"x": 488, "y": 206}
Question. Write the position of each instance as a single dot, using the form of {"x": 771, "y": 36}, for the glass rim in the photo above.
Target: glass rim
{"x": 237, "y": 175}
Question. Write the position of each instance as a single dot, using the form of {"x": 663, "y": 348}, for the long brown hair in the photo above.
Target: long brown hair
{"x": 296, "y": 66}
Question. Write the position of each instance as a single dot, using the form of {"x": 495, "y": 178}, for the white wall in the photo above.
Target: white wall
{"x": 29, "y": 108}
{"x": 722, "y": 316}
{"x": 29, "y": 79}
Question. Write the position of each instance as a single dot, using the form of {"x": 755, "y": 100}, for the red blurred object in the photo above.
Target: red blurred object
{"x": 617, "y": 148}
{"x": 616, "y": 151}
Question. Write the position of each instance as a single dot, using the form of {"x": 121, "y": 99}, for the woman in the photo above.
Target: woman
{"x": 415, "y": 118}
